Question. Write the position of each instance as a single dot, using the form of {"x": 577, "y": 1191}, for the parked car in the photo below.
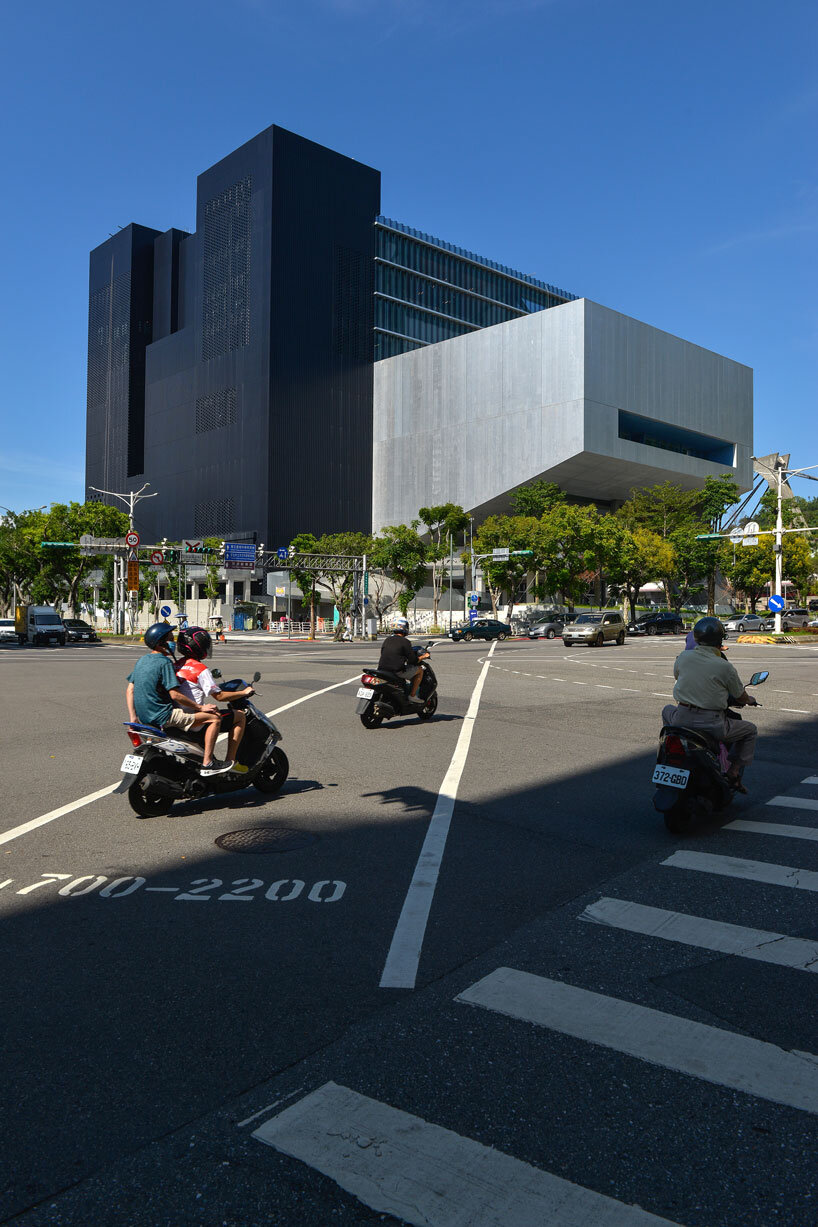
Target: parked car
{"x": 747, "y": 622}
{"x": 594, "y": 629}
{"x": 7, "y": 632}
{"x": 482, "y": 628}
{"x": 76, "y": 630}
{"x": 663, "y": 622}
{"x": 792, "y": 619}
{"x": 548, "y": 628}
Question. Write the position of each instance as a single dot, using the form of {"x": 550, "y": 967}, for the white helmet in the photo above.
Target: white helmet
{"x": 402, "y": 624}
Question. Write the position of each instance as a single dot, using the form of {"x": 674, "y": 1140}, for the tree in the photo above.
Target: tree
{"x": 400, "y": 553}
{"x": 20, "y": 555}
{"x": 566, "y": 549}
{"x": 798, "y": 562}
{"x": 536, "y": 498}
{"x": 663, "y": 508}
{"x": 638, "y": 556}
{"x": 306, "y": 543}
{"x": 515, "y": 533}
{"x": 442, "y": 521}
{"x": 710, "y": 504}
{"x": 64, "y": 568}
{"x": 340, "y": 584}
{"x": 750, "y": 568}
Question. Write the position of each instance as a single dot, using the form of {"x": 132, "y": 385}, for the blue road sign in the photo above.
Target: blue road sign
{"x": 239, "y": 551}
{"x": 474, "y": 599}
{"x": 473, "y": 615}
{"x": 282, "y": 553}
{"x": 164, "y": 611}
{"x": 776, "y": 603}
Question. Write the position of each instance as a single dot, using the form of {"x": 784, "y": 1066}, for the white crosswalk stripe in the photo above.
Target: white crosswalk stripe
{"x": 399, "y": 1164}
{"x": 725, "y": 1058}
{"x": 705, "y": 934}
{"x": 795, "y": 802}
{"x": 772, "y": 828}
{"x": 754, "y": 871}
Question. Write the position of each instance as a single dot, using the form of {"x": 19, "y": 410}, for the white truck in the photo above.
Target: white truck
{"x": 36, "y": 624}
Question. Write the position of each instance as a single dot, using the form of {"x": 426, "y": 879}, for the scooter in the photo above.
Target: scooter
{"x": 383, "y": 695}
{"x": 164, "y": 768}
{"x": 691, "y": 773}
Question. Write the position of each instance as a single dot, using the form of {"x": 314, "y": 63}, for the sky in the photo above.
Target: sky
{"x": 658, "y": 158}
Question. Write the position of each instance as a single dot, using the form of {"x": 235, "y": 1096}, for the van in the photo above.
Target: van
{"x": 36, "y": 624}
{"x": 794, "y": 618}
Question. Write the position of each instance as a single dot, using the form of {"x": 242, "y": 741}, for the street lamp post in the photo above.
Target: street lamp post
{"x": 782, "y": 472}
{"x": 130, "y": 499}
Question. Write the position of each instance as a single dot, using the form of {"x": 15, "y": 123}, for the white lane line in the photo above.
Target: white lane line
{"x": 262, "y": 1111}
{"x": 772, "y": 828}
{"x": 800, "y": 711}
{"x": 602, "y": 686}
{"x": 753, "y": 871}
{"x": 404, "y": 1166}
{"x": 783, "y": 692}
{"x": 630, "y": 690}
{"x": 795, "y": 802}
{"x": 32, "y": 825}
{"x": 705, "y": 934}
{"x": 725, "y": 1058}
{"x": 657, "y": 694}
{"x": 401, "y": 967}
{"x": 16, "y": 832}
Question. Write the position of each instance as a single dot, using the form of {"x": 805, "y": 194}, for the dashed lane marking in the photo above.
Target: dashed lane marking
{"x": 752, "y": 871}
{"x": 401, "y": 1165}
{"x": 704, "y": 933}
{"x": 800, "y": 711}
{"x": 725, "y": 1058}
{"x": 772, "y": 828}
{"x": 794, "y": 802}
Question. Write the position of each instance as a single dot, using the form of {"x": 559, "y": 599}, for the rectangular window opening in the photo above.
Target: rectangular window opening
{"x": 670, "y": 438}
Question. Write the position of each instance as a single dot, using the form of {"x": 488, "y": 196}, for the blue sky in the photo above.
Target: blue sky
{"x": 658, "y": 158}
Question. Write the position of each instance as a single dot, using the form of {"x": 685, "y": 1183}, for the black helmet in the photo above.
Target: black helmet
{"x": 194, "y": 641}
{"x": 156, "y": 635}
{"x": 709, "y": 632}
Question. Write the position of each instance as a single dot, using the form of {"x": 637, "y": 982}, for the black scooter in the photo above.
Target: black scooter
{"x": 164, "y": 767}
{"x": 383, "y": 695}
{"x": 691, "y": 773}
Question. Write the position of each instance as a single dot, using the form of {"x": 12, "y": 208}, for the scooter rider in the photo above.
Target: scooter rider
{"x": 398, "y": 656}
{"x": 154, "y": 697}
{"x": 706, "y": 686}
{"x": 197, "y": 682}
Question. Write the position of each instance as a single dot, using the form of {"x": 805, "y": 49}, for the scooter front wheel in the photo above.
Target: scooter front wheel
{"x": 148, "y": 804}
{"x": 273, "y": 773}
{"x": 428, "y": 710}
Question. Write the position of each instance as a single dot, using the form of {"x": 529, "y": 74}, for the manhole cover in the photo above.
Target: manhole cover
{"x": 264, "y": 839}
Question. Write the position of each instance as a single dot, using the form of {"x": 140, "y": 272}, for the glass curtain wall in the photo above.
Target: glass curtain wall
{"x": 427, "y": 290}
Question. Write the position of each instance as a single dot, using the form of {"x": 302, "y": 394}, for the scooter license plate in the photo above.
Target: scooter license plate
{"x": 131, "y": 764}
{"x": 673, "y": 777}
{"x": 364, "y": 692}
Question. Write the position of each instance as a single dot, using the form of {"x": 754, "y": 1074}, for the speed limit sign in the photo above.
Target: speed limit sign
{"x": 132, "y": 539}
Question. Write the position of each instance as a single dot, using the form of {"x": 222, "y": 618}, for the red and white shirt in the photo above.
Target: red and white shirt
{"x": 195, "y": 680}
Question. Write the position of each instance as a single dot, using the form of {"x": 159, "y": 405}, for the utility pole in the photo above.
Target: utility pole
{"x": 130, "y": 499}
{"x": 451, "y": 584}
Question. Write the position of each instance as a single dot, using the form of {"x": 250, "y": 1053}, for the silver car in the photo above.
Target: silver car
{"x": 548, "y": 628}
{"x": 594, "y": 629}
{"x": 747, "y": 622}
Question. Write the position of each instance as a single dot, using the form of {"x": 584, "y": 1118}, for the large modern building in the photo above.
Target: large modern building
{"x": 302, "y": 364}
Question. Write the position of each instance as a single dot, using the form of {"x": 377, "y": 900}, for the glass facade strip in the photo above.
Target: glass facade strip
{"x": 383, "y": 224}
{"x": 419, "y": 306}
{"x": 637, "y": 429}
{"x": 417, "y": 324}
{"x": 437, "y": 296}
{"x": 390, "y": 344}
{"x": 515, "y": 311}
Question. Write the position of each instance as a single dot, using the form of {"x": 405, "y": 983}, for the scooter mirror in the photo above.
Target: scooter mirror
{"x": 256, "y": 677}
{"x": 758, "y": 678}
{"x": 216, "y": 672}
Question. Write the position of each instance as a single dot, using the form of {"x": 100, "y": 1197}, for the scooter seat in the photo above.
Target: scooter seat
{"x": 707, "y": 740}
{"x": 386, "y": 675}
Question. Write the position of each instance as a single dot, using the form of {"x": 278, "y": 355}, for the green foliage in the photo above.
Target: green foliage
{"x": 536, "y": 498}
{"x": 400, "y": 553}
{"x": 443, "y": 521}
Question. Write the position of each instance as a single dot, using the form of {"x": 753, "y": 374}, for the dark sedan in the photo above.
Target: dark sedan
{"x": 77, "y": 631}
{"x": 482, "y": 628}
{"x": 662, "y": 623}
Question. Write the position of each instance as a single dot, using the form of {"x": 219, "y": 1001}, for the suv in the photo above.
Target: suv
{"x": 791, "y": 618}
{"x": 594, "y": 629}
{"x": 663, "y": 622}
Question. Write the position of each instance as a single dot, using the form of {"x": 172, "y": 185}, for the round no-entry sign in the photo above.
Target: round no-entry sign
{"x": 132, "y": 540}
{"x": 157, "y": 558}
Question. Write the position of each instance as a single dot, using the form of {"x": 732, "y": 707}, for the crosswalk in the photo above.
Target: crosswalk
{"x": 399, "y": 1163}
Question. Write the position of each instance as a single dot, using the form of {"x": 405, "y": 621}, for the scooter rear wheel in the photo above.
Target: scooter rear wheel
{"x": 273, "y": 773}
{"x": 148, "y": 804}
{"x": 370, "y": 718}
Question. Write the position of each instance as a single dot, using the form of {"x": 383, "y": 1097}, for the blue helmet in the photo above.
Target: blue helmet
{"x": 155, "y": 636}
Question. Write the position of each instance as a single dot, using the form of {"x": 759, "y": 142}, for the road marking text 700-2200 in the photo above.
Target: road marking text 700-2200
{"x": 243, "y": 890}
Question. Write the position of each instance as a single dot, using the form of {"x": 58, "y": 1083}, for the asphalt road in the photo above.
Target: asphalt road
{"x": 158, "y": 993}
